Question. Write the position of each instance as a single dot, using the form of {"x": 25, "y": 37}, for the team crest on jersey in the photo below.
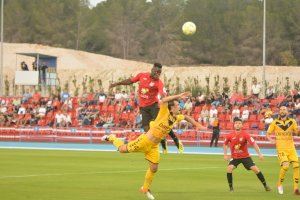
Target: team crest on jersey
{"x": 151, "y": 84}
{"x": 144, "y": 90}
{"x": 237, "y": 146}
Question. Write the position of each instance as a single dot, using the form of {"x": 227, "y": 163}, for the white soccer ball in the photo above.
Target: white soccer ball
{"x": 188, "y": 28}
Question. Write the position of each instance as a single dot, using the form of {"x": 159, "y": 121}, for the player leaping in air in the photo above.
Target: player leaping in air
{"x": 169, "y": 114}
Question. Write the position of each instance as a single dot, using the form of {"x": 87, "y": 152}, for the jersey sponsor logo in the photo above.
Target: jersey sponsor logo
{"x": 151, "y": 84}
{"x": 284, "y": 127}
{"x": 144, "y": 90}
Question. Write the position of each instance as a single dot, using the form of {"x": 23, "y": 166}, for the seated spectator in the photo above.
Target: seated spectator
{"x": 188, "y": 106}
{"x": 42, "y": 111}
{"x": 59, "y": 119}
{"x": 64, "y": 96}
{"x": 297, "y": 107}
{"x": 109, "y": 121}
{"x": 22, "y": 110}
{"x": 213, "y": 113}
{"x": 26, "y": 96}
{"x": 36, "y": 97}
{"x": 270, "y": 93}
{"x": 245, "y": 113}
{"x": 235, "y": 112}
{"x": 3, "y": 109}
{"x": 204, "y": 115}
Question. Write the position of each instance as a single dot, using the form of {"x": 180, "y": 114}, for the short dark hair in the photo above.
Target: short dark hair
{"x": 171, "y": 104}
{"x": 158, "y": 65}
{"x": 237, "y": 119}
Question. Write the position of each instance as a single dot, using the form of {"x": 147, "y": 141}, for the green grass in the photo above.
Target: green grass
{"x": 75, "y": 175}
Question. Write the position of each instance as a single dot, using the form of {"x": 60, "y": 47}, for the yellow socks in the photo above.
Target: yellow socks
{"x": 148, "y": 179}
{"x": 296, "y": 177}
{"x": 282, "y": 173}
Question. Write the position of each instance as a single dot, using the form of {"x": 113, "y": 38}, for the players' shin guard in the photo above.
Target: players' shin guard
{"x": 229, "y": 179}
{"x": 148, "y": 179}
{"x": 175, "y": 139}
{"x": 262, "y": 179}
{"x": 296, "y": 174}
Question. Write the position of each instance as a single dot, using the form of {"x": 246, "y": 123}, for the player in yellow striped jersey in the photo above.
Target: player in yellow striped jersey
{"x": 284, "y": 128}
{"x": 147, "y": 143}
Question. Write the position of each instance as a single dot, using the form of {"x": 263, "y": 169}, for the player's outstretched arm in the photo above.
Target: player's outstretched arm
{"x": 194, "y": 123}
{"x": 174, "y": 97}
{"x": 124, "y": 82}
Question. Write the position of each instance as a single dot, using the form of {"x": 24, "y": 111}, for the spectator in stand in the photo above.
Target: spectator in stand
{"x": 280, "y": 97}
{"x": 36, "y": 97}
{"x": 16, "y": 103}
{"x": 59, "y": 119}
{"x": 42, "y": 72}
{"x": 102, "y": 97}
{"x": 235, "y": 112}
{"x": 213, "y": 113}
{"x": 64, "y": 96}
{"x": 67, "y": 122}
{"x": 270, "y": 93}
{"x": 204, "y": 115}
{"x": 2, "y": 120}
{"x": 22, "y": 110}
{"x": 256, "y": 88}
{"x": 296, "y": 96}
{"x": 42, "y": 111}
{"x": 217, "y": 100}
{"x": 188, "y": 106}
{"x": 3, "y": 109}
{"x": 109, "y": 121}
{"x": 297, "y": 107}
{"x": 245, "y": 113}
{"x": 24, "y": 66}
{"x": 56, "y": 104}
{"x": 118, "y": 95}
{"x": 124, "y": 95}
{"x": 26, "y": 96}
{"x": 68, "y": 105}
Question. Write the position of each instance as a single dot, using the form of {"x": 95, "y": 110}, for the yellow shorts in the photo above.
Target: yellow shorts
{"x": 143, "y": 144}
{"x": 287, "y": 155}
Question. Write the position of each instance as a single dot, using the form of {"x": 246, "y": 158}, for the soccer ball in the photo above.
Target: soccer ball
{"x": 188, "y": 28}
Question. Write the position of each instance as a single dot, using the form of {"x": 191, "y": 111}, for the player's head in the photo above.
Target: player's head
{"x": 156, "y": 70}
{"x": 238, "y": 123}
{"x": 283, "y": 111}
{"x": 174, "y": 107}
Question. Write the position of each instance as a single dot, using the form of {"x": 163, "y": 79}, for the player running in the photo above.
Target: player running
{"x": 148, "y": 143}
{"x": 284, "y": 128}
{"x": 237, "y": 141}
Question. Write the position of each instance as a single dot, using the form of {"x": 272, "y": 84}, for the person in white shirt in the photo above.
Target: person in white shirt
{"x": 22, "y": 110}
{"x": 3, "y": 109}
{"x": 235, "y": 112}
{"x": 42, "y": 111}
{"x": 245, "y": 113}
{"x": 124, "y": 95}
{"x": 118, "y": 95}
{"x": 270, "y": 92}
{"x": 59, "y": 118}
{"x": 188, "y": 106}
{"x": 255, "y": 89}
{"x": 204, "y": 115}
{"x": 213, "y": 113}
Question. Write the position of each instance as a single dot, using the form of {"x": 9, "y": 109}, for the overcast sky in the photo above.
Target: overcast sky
{"x": 94, "y": 2}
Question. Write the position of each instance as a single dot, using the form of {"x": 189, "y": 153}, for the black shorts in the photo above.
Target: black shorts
{"x": 149, "y": 113}
{"x": 247, "y": 162}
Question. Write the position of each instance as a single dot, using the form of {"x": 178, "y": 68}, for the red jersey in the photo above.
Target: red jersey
{"x": 238, "y": 144}
{"x": 149, "y": 89}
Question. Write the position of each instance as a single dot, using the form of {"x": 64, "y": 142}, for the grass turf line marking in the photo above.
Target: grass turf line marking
{"x": 104, "y": 172}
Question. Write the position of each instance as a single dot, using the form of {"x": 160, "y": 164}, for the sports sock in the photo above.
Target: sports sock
{"x": 163, "y": 143}
{"x": 261, "y": 177}
{"x": 229, "y": 179}
{"x": 148, "y": 179}
{"x": 175, "y": 139}
{"x": 296, "y": 177}
{"x": 282, "y": 173}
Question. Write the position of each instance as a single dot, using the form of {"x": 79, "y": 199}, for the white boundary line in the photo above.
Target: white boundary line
{"x": 104, "y": 172}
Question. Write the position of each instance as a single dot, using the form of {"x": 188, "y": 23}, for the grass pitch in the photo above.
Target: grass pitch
{"x": 76, "y": 175}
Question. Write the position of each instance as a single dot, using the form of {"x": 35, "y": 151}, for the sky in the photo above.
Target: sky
{"x": 95, "y": 2}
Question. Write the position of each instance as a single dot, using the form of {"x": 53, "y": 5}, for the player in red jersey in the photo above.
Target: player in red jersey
{"x": 237, "y": 141}
{"x": 150, "y": 87}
